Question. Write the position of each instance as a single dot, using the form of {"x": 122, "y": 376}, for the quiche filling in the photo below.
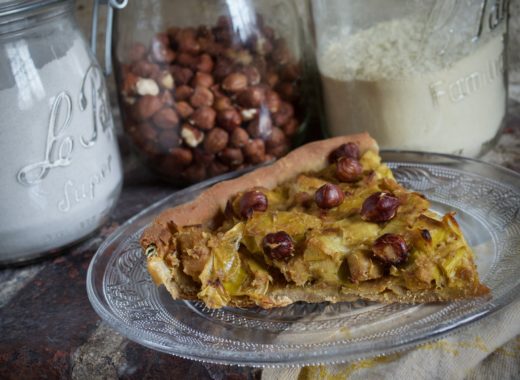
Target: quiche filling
{"x": 346, "y": 232}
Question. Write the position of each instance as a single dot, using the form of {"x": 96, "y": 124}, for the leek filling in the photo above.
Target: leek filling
{"x": 333, "y": 248}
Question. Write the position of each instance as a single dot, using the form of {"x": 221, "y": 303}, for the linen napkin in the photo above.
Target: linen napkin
{"x": 488, "y": 348}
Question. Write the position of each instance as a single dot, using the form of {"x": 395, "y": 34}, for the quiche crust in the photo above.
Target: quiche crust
{"x": 188, "y": 273}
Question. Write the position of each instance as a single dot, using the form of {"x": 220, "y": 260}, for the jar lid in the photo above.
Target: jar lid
{"x": 12, "y": 7}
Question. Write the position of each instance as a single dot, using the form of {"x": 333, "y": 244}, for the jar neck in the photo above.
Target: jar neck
{"x": 21, "y": 18}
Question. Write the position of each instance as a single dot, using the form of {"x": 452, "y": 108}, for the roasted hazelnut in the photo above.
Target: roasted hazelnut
{"x": 146, "y": 106}
{"x": 281, "y": 54}
{"x": 166, "y": 118}
{"x": 183, "y": 93}
{"x": 272, "y": 79}
{"x": 160, "y": 50}
{"x": 216, "y": 90}
{"x": 203, "y": 157}
{"x": 291, "y": 72}
{"x": 181, "y": 75}
{"x": 284, "y": 114}
{"x": 145, "y": 69}
{"x": 216, "y": 168}
{"x": 254, "y": 151}
{"x": 203, "y": 118}
{"x": 202, "y": 79}
{"x": 390, "y": 249}
{"x": 251, "y": 201}
{"x": 261, "y": 64}
{"x": 291, "y": 127}
{"x": 144, "y": 132}
{"x": 216, "y": 140}
{"x": 205, "y": 64}
{"x": 187, "y": 60}
{"x": 277, "y": 144}
{"x": 184, "y": 109}
{"x": 240, "y": 57}
{"x": 222, "y": 69}
{"x": 252, "y": 97}
{"x": 239, "y": 138}
{"x": 329, "y": 196}
{"x": 273, "y": 101}
{"x": 348, "y": 169}
{"x": 168, "y": 139}
{"x": 277, "y": 151}
{"x": 252, "y": 74}
{"x": 222, "y": 103}
{"x": 128, "y": 85}
{"x": 186, "y": 39}
{"x": 137, "y": 52}
{"x": 278, "y": 246}
{"x": 224, "y": 22}
{"x": 379, "y": 207}
{"x": 260, "y": 127}
{"x": 165, "y": 80}
{"x": 181, "y": 156}
{"x": 194, "y": 173}
{"x": 211, "y": 47}
{"x": 350, "y": 150}
{"x": 167, "y": 98}
{"x": 268, "y": 32}
{"x": 225, "y": 36}
{"x": 172, "y": 32}
{"x": 263, "y": 46}
{"x": 191, "y": 135}
{"x": 201, "y": 97}
{"x": 229, "y": 119}
{"x": 276, "y": 138}
{"x": 234, "y": 82}
{"x": 232, "y": 156}
{"x": 287, "y": 91}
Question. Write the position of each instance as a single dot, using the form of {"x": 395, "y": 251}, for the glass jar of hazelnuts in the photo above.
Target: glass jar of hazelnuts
{"x": 207, "y": 87}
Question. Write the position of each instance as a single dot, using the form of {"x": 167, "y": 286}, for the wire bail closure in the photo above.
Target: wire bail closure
{"x": 111, "y": 5}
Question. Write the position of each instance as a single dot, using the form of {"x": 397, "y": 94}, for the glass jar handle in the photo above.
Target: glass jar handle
{"x": 111, "y": 5}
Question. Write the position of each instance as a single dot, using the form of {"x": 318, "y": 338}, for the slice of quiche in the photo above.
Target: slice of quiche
{"x": 326, "y": 223}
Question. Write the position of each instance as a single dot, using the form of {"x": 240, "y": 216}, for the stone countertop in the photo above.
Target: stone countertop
{"x": 49, "y": 330}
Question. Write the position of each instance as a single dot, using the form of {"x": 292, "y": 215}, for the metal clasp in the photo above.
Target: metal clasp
{"x": 111, "y": 5}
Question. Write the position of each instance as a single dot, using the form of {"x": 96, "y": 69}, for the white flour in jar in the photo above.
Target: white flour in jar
{"x": 380, "y": 80}
{"x": 61, "y": 172}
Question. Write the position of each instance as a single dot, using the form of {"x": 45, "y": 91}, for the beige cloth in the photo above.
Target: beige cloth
{"x": 487, "y": 349}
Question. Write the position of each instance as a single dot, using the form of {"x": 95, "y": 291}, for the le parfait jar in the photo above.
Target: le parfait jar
{"x": 209, "y": 87}
{"x": 419, "y": 75}
{"x": 61, "y": 170}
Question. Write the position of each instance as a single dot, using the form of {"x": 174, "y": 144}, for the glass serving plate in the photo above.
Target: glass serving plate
{"x": 486, "y": 199}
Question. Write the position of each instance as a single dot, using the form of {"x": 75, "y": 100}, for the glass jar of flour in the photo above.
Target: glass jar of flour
{"x": 61, "y": 172}
{"x": 420, "y": 75}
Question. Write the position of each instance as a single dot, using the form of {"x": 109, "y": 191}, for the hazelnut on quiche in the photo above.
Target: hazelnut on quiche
{"x": 328, "y": 222}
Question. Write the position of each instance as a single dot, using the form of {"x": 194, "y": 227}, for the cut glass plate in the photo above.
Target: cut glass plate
{"x": 486, "y": 199}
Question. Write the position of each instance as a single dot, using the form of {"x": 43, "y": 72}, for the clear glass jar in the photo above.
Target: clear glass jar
{"x": 207, "y": 87}
{"x": 61, "y": 172}
{"x": 420, "y": 75}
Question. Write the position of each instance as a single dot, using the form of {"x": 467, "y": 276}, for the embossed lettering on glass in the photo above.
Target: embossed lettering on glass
{"x": 62, "y": 172}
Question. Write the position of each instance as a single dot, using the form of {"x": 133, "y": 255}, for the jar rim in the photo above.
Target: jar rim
{"x": 12, "y": 7}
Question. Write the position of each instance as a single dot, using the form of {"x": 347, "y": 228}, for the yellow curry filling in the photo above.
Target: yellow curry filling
{"x": 350, "y": 227}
